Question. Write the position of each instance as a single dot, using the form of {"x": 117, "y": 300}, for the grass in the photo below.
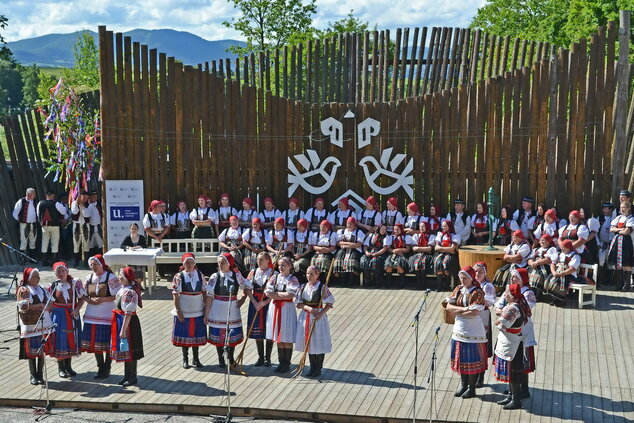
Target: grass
{"x": 56, "y": 72}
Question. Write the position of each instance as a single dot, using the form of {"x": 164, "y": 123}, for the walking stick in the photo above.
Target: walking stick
{"x": 302, "y": 361}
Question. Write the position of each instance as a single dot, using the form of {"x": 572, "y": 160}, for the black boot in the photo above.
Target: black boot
{"x": 62, "y": 369}
{"x": 77, "y": 260}
{"x": 45, "y": 261}
{"x": 185, "y": 357}
{"x": 33, "y": 371}
{"x": 269, "y": 349}
{"x": 69, "y": 368}
{"x": 627, "y": 280}
{"x": 378, "y": 276}
{"x": 508, "y": 398}
{"x": 366, "y": 279}
{"x": 281, "y": 355}
{"x": 40, "y": 370}
{"x": 313, "y": 365}
{"x": 196, "y": 361}
{"x": 319, "y": 359}
{"x": 126, "y": 373}
{"x": 516, "y": 402}
{"x": 132, "y": 374}
{"x": 419, "y": 280}
{"x": 464, "y": 385}
{"x": 260, "y": 344}
{"x": 221, "y": 357}
{"x": 471, "y": 391}
{"x": 107, "y": 366}
{"x": 524, "y": 392}
{"x": 480, "y": 381}
{"x": 100, "y": 366}
{"x": 617, "y": 279}
{"x": 230, "y": 351}
{"x": 401, "y": 279}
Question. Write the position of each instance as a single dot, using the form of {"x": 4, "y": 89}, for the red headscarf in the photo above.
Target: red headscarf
{"x": 523, "y": 274}
{"x": 26, "y": 275}
{"x": 224, "y": 195}
{"x": 178, "y": 205}
{"x": 469, "y": 271}
{"x": 372, "y": 202}
{"x": 69, "y": 278}
{"x": 129, "y": 274}
{"x": 268, "y": 200}
{"x": 450, "y": 227}
{"x": 256, "y": 221}
{"x": 393, "y": 201}
{"x": 482, "y": 265}
{"x": 547, "y": 237}
{"x": 248, "y": 200}
{"x": 485, "y": 210}
{"x": 552, "y": 214}
{"x": 518, "y": 233}
{"x": 317, "y": 200}
{"x": 576, "y": 214}
{"x": 231, "y": 261}
{"x": 280, "y": 221}
{"x": 325, "y": 223}
{"x": 100, "y": 259}
{"x": 413, "y": 207}
{"x": 351, "y": 219}
{"x": 233, "y": 218}
{"x": 184, "y": 257}
{"x": 153, "y": 204}
{"x": 303, "y": 222}
{"x": 567, "y": 244}
{"x": 345, "y": 202}
{"x": 201, "y": 196}
{"x": 516, "y": 291}
{"x": 293, "y": 200}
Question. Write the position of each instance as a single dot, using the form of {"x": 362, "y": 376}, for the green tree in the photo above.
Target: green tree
{"x": 47, "y": 81}
{"x": 10, "y": 87}
{"x": 31, "y": 79}
{"x": 84, "y": 75}
{"x": 5, "y": 53}
{"x": 350, "y": 24}
{"x": 269, "y": 23}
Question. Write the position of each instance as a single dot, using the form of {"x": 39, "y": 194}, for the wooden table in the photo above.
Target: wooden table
{"x": 117, "y": 258}
{"x": 471, "y": 254}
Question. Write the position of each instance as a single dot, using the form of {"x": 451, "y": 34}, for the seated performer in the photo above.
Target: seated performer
{"x": 230, "y": 241}
{"x": 302, "y": 250}
{"x": 156, "y": 222}
{"x": 563, "y": 273}
{"x": 411, "y": 222}
{"x": 391, "y": 216}
{"x": 446, "y": 246}
{"x": 505, "y": 226}
{"x": 292, "y": 214}
{"x": 254, "y": 241}
{"x": 399, "y": 247}
{"x": 434, "y": 219}
{"x": 269, "y": 214}
{"x": 324, "y": 244}
{"x": 539, "y": 264}
{"x": 259, "y": 307}
{"x": 316, "y": 214}
{"x": 575, "y": 231}
{"x": 373, "y": 259}
{"x": 422, "y": 259}
{"x": 515, "y": 255}
{"x": 248, "y": 212}
{"x": 549, "y": 226}
{"x": 480, "y": 225}
{"x": 225, "y": 211}
{"x": 369, "y": 219}
{"x": 338, "y": 218}
{"x": 350, "y": 240}
{"x": 279, "y": 241}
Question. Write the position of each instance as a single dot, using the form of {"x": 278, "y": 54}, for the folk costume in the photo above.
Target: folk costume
{"x": 489, "y": 301}
{"x": 325, "y": 238}
{"x": 95, "y": 242}
{"x": 422, "y": 259}
{"x": 279, "y": 241}
{"x": 563, "y": 273}
{"x": 525, "y": 217}
{"x": 257, "y": 318}
{"x": 434, "y": 220}
{"x": 480, "y": 225}
{"x": 392, "y": 216}
{"x": 347, "y": 258}
{"x": 412, "y": 221}
{"x": 518, "y": 246}
{"x": 292, "y": 215}
{"x": 230, "y": 241}
{"x": 339, "y": 217}
{"x": 550, "y": 226}
{"x": 604, "y": 236}
{"x": 225, "y": 211}
{"x": 505, "y": 228}
{"x": 370, "y": 218}
{"x": 154, "y": 223}
{"x": 254, "y": 240}
{"x": 399, "y": 247}
{"x": 127, "y": 338}
{"x": 50, "y": 216}
{"x": 574, "y": 232}
{"x": 203, "y": 218}
{"x": 620, "y": 258}
{"x": 446, "y": 262}
{"x": 24, "y": 212}
{"x": 374, "y": 254}
{"x": 181, "y": 222}
{"x": 302, "y": 249}
{"x": 268, "y": 216}
{"x": 461, "y": 222}
{"x": 539, "y": 265}
{"x": 248, "y": 212}
{"x": 188, "y": 291}
{"x": 80, "y": 215}
{"x": 316, "y": 215}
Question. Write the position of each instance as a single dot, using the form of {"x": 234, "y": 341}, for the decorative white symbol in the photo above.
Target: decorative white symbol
{"x": 366, "y": 130}
{"x": 355, "y": 200}
{"x": 404, "y": 179}
{"x": 334, "y": 129}
{"x": 309, "y": 161}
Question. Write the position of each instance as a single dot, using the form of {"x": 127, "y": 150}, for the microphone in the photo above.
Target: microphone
{"x": 427, "y": 291}
{"x": 437, "y": 330}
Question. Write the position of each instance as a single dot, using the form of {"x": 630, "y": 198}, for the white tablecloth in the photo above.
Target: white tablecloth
{"x": 141, "y": 257}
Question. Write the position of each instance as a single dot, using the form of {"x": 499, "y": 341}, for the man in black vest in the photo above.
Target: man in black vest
{"x": 24, "y": 213}
{"x": 50, "y": 215}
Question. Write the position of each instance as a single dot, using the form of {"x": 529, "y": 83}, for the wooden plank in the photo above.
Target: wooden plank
{"x": 419, "y": 62}
{"x": 403, "y": 64}
{"x": 395, "y": 63}
{"x": 364, "y": 67}
{"x": 583, "y": 67}
{"x": 386, "y": 66}
{"x": 428, "y": 63}
{"x": 448, "y": 71}
{"x": 505, "y": 145}
{"x": 278, "y": 91}
{"x": 149, "y": 150}
{"x": 484, "y": 59}
{"x": 463, "y": 76}
{"x": 373, "y": 71}
{"x": 309, "y": 73}
{"x": 475, "y": 56}
{"x": 516, "y": 44}
{"x": 325, "y": 71}
{"x": 591, "y": 121}
{"x": 562, "y": 115}
{"x": 292, "y": 75}
{"x": 136, "y": 107}
{"x": 573, "y": 129}
{"x": 443, "y": 60}
{"x": 316, "y": 67}
{"x": 128, "y": 102}
{"x": 346, "y": 47}
{"x": 359, "y": 63}
{"x": 542, "y": 146}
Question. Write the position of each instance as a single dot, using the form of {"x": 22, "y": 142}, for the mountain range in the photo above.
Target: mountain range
{"x": 56, "y": 50}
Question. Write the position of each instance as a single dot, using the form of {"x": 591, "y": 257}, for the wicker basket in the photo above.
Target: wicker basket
{"x": 29, "y": 317}
{"x": 446, "y": 316}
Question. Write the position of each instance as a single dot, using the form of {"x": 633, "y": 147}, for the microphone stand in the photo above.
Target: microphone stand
{"x": 415, "y": 324}
{"x": 19, "y": 268}
{"x": 47, "y": 409}
{"x": 431, "y": 378}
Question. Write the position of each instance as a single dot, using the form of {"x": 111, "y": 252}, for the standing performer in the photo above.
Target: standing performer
{"x": 399, "y": 246}
{"x": 508, "y": 362}
{"x": 520, "y": 277}
{"x": 31, "y": 299}
{"x": 67, "y": 295}
{"x": 621, "y": 253}
{"x": 293, "y": 213}
{"x": 563, "y": 273}
{"x": 604, "y": 238}
{"x": 539, "y": 264}
{"x": 480, "y": 225}
{"x": 127, "y": 338}
{"x": 203, "y": 218}
{"x": 230, "y": 241}
{"x": 302, "y": 250}
{"x": 279, "y": 241}
{"x": 180, "y": 221}
{"x": 247, "y": 213}
{"x": 489, "y": 301}
{"x": 338, "y": 218}
{"x": 51, "y": 216}
{"x": 24, "y": 212}
{"x": 156, "y": 222}
{"x": 461, "y": 221}
{"x": 259, "y": 307}
{"x": 525, "y": 217}
{"x": 222, "y": 301}
{"x": 269, "y": 214}
{"x": 515, "y": 255}
{"x": 468, "y": 339}
{"x": 422, "y": 259}
{"x": 81, "y": 229}
{"x": 324, "y": 244}
{"x": 316, "y": 214}
{"x": 95, "y": 244}
{"x": 592, "y": 246}
{"x": 100, "y": 289}
{"x": 392, "y": 216}
{"x": 254, "y": 241}
{"x": 373, "y": 259}
{"x": 188, "y": 292}
{"x": 350, "y": 240}
{"x": 446, "y": 245}
{"x": 314, "y": 299}
{"x": 281, "y": 321}
{"x": 225, "y": 211}
{"x": 370, "y": 218}
{"x": 411, "y": 223}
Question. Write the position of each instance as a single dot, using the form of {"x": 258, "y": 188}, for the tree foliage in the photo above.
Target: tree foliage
{"x": 269, "y": 23}
{"x": 84, "y": 75}
{"x": 31, "y": 79}
{"x": 10, "y": 87}
{"x": 5, "y": 53}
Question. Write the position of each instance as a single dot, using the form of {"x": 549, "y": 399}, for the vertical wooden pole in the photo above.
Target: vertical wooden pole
{"x": 621, "y": 103}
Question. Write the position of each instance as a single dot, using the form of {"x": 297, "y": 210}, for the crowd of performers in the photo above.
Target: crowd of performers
{"x": 472, "y": 303}
{"x": 206, "y": 310}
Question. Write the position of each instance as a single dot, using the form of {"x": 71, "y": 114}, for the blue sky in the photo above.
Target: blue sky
{"x": 203, "y": 17}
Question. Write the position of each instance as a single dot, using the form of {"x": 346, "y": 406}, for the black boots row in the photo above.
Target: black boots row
{"x": 104, "y": 365}
{"x": 467, "y": 387}
{"x": 196, "y": 362}
{"x": 64, "y": 368}
{"x": 129, "y": 377}
{"x": 36, "y": 366}
{"x": 622, "y": 280}
{"x": 284, "y": 355}
{"x": 513, "y": 399}
{"x": 221, "y": 357}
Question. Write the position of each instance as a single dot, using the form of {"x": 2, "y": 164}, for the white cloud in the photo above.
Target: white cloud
{"x": 204, "y": 17}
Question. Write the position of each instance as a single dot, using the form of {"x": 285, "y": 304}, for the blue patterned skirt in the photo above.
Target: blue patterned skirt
{"x": 67, "y": 337}
{"x": 468, "y": 358}
{"x": 504, "y": 369}
{"x": 191, "y": 332}
{"x": 95, "y": 338}
{"x": 217, "y": 336}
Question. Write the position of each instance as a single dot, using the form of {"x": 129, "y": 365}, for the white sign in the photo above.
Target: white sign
{"x": 125, "y": 205}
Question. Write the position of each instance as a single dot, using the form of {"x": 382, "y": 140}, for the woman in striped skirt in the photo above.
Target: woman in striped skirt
{"x": 254, "y": 241}
{"x": 188, "y": 292}
{"x": 489, "y": 301}
{"x": 350, "y": 240}
{"x": 520, "y": 276}
{"x": 621, "y": 252}
{"x": 31, "y": 300}
{"x": 399, "y": 246}
{"x": 302, "y": 250}
{"x": 100, "y": 289}
{"x": 127, "y": 338}
{"x": 374, "y": 254}
{"x": 279, "y": 241}
{"x": 259, "y": 307}
{"x": 222, "y": 303}
{"x": 67, "y": 295}
{"x": 230, "y": 241}
{"x": 422, "y": 258}
{"x": 314, "y": 299}
{"x": 281, "y": 321}
{"x": 324, "y": 243}
{"x": 446, "y": 246}
{"x": 539, "y": 264}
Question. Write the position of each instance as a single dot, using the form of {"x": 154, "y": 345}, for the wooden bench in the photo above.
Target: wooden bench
{"x": 206, "y": 250}
{"x": 590, "y": 271}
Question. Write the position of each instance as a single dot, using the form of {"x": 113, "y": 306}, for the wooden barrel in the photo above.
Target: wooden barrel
{"x": 471, "y": 254}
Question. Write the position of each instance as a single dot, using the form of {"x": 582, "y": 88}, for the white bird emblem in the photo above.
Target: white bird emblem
{"x": 309, "y": 161}
{"x": 404, "y": 179}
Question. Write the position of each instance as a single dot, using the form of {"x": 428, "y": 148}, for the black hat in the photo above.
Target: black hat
{"x": 92, "y": 193}
{"x": 458, "y": 201}
{"x": 84, "y": 192}
{"x": 49, "y": 192}
{"x": 607, "y": 204}
{"x": 62, "y": 194}
{"x": 528, "y": 199}
{"x": 625, "y": 192}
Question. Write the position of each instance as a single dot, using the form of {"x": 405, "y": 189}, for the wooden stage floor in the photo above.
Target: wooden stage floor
{"x": 584, "y": 361}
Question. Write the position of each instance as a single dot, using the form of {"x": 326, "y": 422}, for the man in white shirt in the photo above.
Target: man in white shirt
{"x": 525, "y": 217}
{"x": 50, "y": 215}
{"x": 461, "y": 222}
{"x": 24, "y": 212}
{"x": 95, "y": 243}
